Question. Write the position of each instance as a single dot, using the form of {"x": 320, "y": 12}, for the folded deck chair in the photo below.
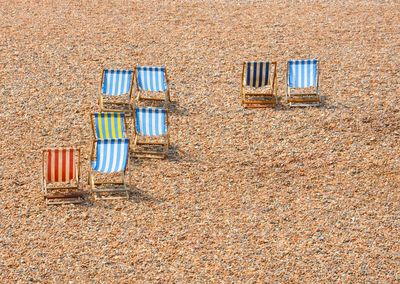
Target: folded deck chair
{"x": 108, "y": 125}
{"x": 60, "y": 176}
{"x": 109, "y": 156}
{"x": 258, "y": 87}
{"x": 116, "y": 90}
{"x": 151, "y": 133}
{"x": 151, "y": 82}
{"x": 302, "y": 83}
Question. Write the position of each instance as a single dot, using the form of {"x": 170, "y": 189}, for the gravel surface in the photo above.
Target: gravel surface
{"x": 288, "y": 195}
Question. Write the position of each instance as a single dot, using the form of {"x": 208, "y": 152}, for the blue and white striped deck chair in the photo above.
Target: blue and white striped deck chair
{"x": 114, "y": 84}
{"x": 152, "y": 79}
{"x": 258, "y": 87}
{"x": 302, "y": 82}
{"x": 110, "y": 156}
{"x": 151, "y": 124}
{"x": 108, "y": 125}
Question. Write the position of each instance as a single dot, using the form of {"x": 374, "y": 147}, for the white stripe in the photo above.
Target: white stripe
{"x": 153, "y": 79}
{"x": 113, "y": 166}
{"x": 162, "y": 81}
{"x": 161, "y": 123}
{"x": 127, "y": 81}
{"x": 153, "y": 124}
{"x": 299, "y": 76}
{"x": 67, "y": 156}
{"x": 312, "y": 79}
{"x": 107, "y": 165}
{"x": 53, "y": 168}
{"x": 108, "y": 85}
{"x": 147, "y": 120}
{"x": 148, "y": 80}
{"x": 99, "y": 158}
{"x": 60, "y": 160}
{"x": 142, "y": 83}
{"x": 114, "y": 79}
{"x": 120, "y": 90}
{"x": 121, "y": 157}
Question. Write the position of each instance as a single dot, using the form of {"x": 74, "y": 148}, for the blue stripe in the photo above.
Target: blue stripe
{"x": 248, "y": 73}
{"x": 151, "y": 73}
{"x": 157, "y": 121}
{"x": 114, "y": 88}
{"x": 109, "y": 146}
{"x": 105, "y": 81}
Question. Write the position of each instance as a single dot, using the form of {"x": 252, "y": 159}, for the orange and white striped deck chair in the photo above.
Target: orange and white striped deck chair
{"x": 259, "y": 86}
{"x": 61, "y": 175}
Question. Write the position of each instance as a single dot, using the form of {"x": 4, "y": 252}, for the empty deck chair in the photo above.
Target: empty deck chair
{"x": 60, "y": 176}
{"x": 108, "y": 125}
{"x": 116, "y": 90}
{"x": 152, "y": 84}
{"x": 109, "y": 156}
{"x": 302, "y": 83}
{"x": 258, "y": 87}
{"x": 151, "y": 133}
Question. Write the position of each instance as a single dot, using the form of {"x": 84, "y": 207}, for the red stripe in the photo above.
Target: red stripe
{"x": 49, "y": 165}
{"x": 55, "y": 165}
{"x": 64, "y": 165}
{"x": 71, "y": 164}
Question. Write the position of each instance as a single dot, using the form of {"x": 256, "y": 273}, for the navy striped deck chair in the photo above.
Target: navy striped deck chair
{"x": 152, "y": 84}
{"x": 108, "y": 157}
{"x": 108, "y": 125}
{"x": 258, "y": 87}
{"x": 302, "y": 83}
{"x": 116, "y": 90}
{"x": 151, "y": 132}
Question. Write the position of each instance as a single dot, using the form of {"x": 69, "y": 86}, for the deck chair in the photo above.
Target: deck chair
{"x": 302, "y": 83}
{"x": 108, "y": 125}
{"x": 259, "y": 87}
{"x": 151, "y": 132}
{"x": 116, "y": 90}
{"x": 109, "y": 156}
{"x": 151, "y": 82}
{"x": 60, "y": 176}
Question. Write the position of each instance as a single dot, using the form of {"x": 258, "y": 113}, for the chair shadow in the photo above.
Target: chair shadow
{"x": 138, "y": 195}
{"x": 176, "y": 108}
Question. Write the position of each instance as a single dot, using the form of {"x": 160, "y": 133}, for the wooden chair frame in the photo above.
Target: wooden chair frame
{"x": 261, "y": 100}
{"x": 138, "y": 96}
{"x": 66, "y": 194}
{"x": 302, "y": 98}
{"x": 94, "y": 128}
{"x": 140, "y": 141}
{"x": 103, "y": 105}
{"x": 122, "y": 192}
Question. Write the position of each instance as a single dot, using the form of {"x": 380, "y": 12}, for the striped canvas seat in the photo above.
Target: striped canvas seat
{"x": 111, "y": 155}
{"x": 151, "y": 121}
{"x": 60, "y": 179}
{"x": 151, "y": 78}
{"x": 109, "y": 125}
{"x": 257, "y": 74}
{"x": 60, "y": 165}
{"x": 116, "y": 82}
{"x": 302, "y": 73}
